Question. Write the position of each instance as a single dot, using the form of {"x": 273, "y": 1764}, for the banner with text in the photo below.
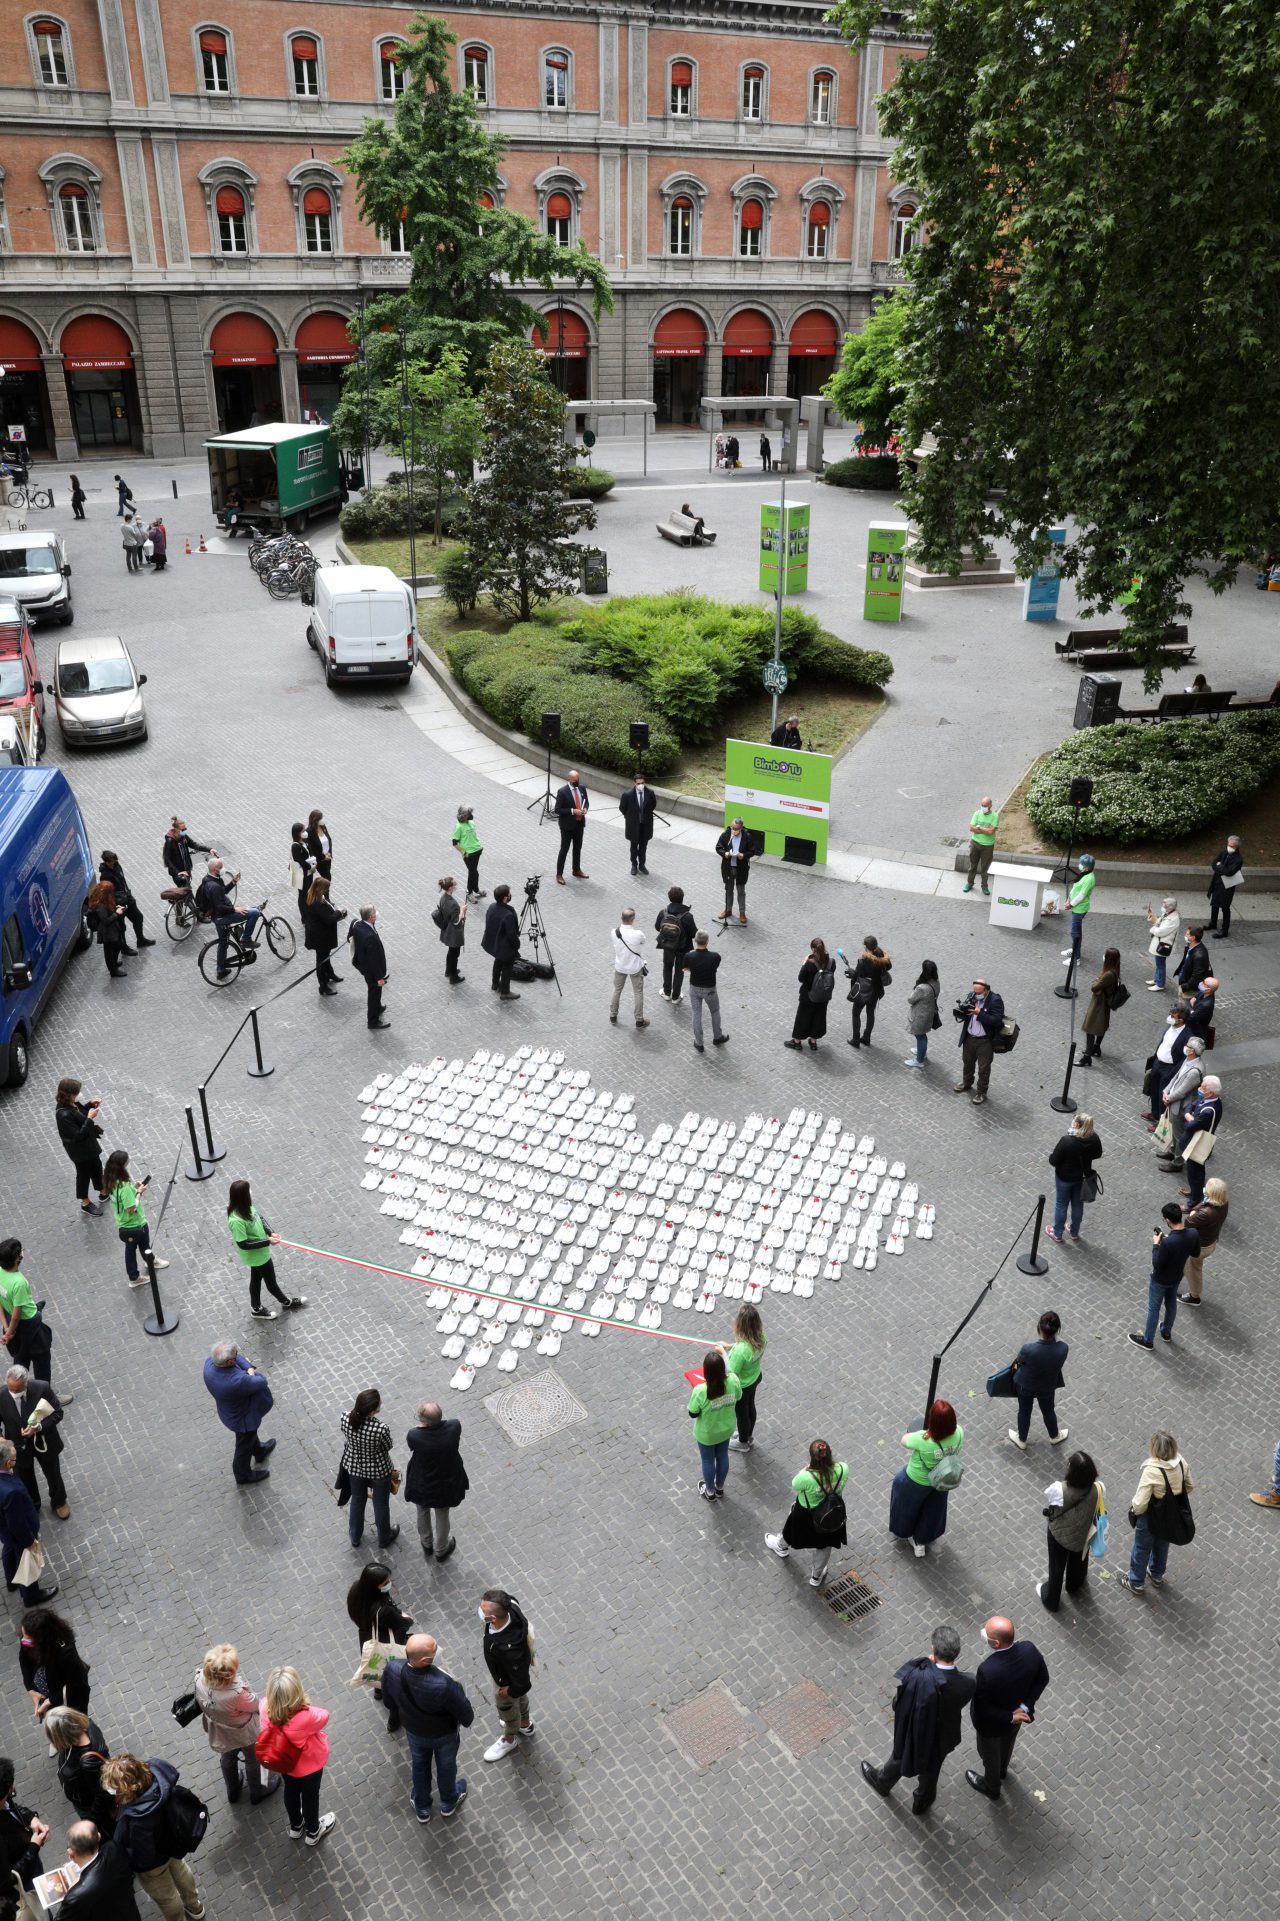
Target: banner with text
{"x": 886, "y": 556}
{"x": 1040, "y": 591}
{"x": 782, "y": 794}
{"x": 795, "y": 547}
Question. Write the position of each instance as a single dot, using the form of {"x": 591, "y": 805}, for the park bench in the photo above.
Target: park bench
{"x": 684, "y": 531}
{"x": 1105, "y": 647}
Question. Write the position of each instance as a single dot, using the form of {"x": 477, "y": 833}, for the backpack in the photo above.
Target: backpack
{"x": 946, "y": 1473}
{"x": 823, "y": 985}
{"x": 829, "y": 1516}
{"x": 1169, "y": 1516}
{"x": 670, "y": 936}
{"x": 185, "y": 1819}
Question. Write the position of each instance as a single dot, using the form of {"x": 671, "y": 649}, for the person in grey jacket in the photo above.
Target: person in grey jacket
{"x": 1071, "y": 1513}
{"x": 451, "y": 918}
{"x": 229, "y": 1709}
{"x": 922, "y": 1011}
{"x": 1180, "y": 1090}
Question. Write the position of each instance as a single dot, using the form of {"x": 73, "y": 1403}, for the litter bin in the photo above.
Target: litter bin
{"x": 1097, "y": 700}
{"x": 595, "y": 570}
{"x": 1017, "y": 894}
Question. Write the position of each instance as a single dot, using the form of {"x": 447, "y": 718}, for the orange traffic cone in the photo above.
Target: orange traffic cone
{"x": 188, "y": 543}
{"x": 203, "y": 548}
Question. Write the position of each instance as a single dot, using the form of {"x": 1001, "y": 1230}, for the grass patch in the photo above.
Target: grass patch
{"x": 831, "y": 720}
{"x": 393, "y": 552}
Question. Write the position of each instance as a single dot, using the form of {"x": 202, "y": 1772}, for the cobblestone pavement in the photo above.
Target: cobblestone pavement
{"x": 1149, "y": 1777}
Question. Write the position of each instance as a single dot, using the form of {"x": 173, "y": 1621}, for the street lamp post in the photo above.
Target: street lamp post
{"x": 408, "y": 435}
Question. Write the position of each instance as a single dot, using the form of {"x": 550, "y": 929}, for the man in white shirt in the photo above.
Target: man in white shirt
{"x": 628, "y": 965}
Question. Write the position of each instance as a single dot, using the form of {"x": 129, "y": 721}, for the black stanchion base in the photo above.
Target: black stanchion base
{"x": 1031, "y": 1264}
{"x": 1067, "y": 993}
{"x": 199, "y": 1172}
{"x": 260, "y": 1073}
{"x": 166, "y": 1326}
{"x": 1063, "y": 1104}
{"x": 214, "y": 1153}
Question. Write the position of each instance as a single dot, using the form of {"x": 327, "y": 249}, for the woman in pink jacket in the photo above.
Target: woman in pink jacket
{"x": 293, "y": 1743}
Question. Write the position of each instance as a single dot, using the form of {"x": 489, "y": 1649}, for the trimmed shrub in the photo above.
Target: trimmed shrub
{"x": 518, "y": 676}
{"x": 878, "y": 472}
{"x": 381, "y": 513}
{"x": 461, "y": 578}
{"x": 1159, "y": 782}
{"x": 591, "y": 483}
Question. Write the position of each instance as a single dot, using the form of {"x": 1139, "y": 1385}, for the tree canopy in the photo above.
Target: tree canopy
{"x": 1093, "y": 324}
{"x": 868, "y": 385}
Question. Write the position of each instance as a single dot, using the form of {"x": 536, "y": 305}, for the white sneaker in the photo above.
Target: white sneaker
{"x": 776, "y": 1545}
{"x": 505, "y": 1744}
{"x": 1013, "y": 1436}
{"x": 1056, "y": 1440}
{"x": 161, "y": 1263}
{"x": 920, "y": 1550}
{"x": 816, "y": 1580}
{"x": 327, "y": 1823}
{"x": 740, "y": 1447}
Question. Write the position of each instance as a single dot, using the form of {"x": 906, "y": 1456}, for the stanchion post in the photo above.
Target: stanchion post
{"x": 1067, "y": 992}
{"x": 1062, "y": 1103}
{"x": 197, "y": 1170}
{"x": 159, "y": 1322}
{"x": 261, "y": 1069}
{"x": 1034, "y": 1262}
{"x": 211, "y": 1151}
{"x": 933, "y": 1388}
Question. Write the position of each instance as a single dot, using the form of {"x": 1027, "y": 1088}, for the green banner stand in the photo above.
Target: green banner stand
{"x": 886, "y": 552}
{"x": 782, "y": 794}
{"x": 794, "y": 547}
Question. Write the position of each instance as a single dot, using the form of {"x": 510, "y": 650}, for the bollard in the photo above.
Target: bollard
{"x": 263, "y": 1068}
{"x": 159, "y": 1322}
{"x": 210, "y": 1152}
{"x": 197, "y": 1170}
{"x": 1034, "y": 1262}
{"x": 1062, "y": 1103}
{"x": 1067, "y": 992}
{"x": 173, "y": 483}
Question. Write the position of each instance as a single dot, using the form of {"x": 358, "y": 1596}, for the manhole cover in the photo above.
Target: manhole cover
{"x": 951, "y": 840}
{"x": 709, "y": 1726}
{"x": 851, "y": 1598}
{"x": 531, "y": 1410}
{"x": 803, "y": 1719}
{"x": 944, "y": 660}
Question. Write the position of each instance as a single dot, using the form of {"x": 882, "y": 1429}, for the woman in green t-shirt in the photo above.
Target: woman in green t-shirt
{"x": 745, "y": 1359}
{"x": 254, "y": 1240}
{"x": 468, "y": 844}
{"x": 917, "y": 1509}
{"x": 813, "y": 1485}
{"x": 126, "y": 1207}
{"x": 711, "y": 1408}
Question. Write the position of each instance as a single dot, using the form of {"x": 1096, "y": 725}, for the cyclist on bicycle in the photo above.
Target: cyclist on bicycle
{"x": 214, "y": 901}
{"x": 177, "y": 850}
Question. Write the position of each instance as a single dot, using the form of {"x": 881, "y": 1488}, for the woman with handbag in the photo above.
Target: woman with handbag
{"x": 53, "y": 1672}
{"x": 105, "y": 916}
{"x": 254, "y": 1242}
{"x": 79, "y": 1132}
{"x": 1182, "y": 1088}
{"x": 1164, "y": 926}
{"x": 451, "y": 919}
{"x": 366, "y": 1458}
{"x": 817, "y": 979}
{"x": 1164, "y": 1482}
{"x": 922, "y": 1012}
{"x": 131, "y": 1222}
{"x": 302, "y": 867}
{"x": 1072, "y": 1514}
{"x": 82, "y": 1750}
{"x": 22, "y": 1323}
{"x": 868, "y": 979}
{"x": 918, "y": 1498}
{"x": 229, "y": 1710}
{"x": 1037, "y": 1376}
{"x": 1208, "y": 1217}
{"x": 817, "y": 1519}
{"x": 294, "y": 1744}
{"x": 1102, "y": 1001}
{"x": 378, "y": 1619}
{"x": 1072, "y": 1162}
{"x": 320, "y": 924}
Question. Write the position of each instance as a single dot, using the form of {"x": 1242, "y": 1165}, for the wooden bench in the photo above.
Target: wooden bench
{"x": 684, "y": 532}
{"x": 1107, "y": 647}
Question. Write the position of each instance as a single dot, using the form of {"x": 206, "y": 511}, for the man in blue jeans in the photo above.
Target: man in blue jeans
{"x": 1171, "y": 1248}
{"x": 432, "y": 1707}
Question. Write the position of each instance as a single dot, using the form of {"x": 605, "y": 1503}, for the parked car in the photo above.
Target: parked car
{"x": 97, "y": 692}
{"x": 21, "y": 688}
{"x": 45, "y": 877}
{"x": 362, "y": 622}
{"x": 14, "y": 747}
{"x": 35, "y": 571}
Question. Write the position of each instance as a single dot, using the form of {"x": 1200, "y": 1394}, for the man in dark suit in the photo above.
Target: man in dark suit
{"x": 932, "y": 1694}
{"x": 22, "y": 1394}
{"x": 637, "y": 807}
{"x": 19, "y": 1528}
{"x": 1200, "y": 1008}
{"x": 1006, "y": 1688}
{"x": 244, "y": 1400}
{"x": 104, "y": 1891}
{"x": 1223, "y": 883}
{"x": 1194, "y": 964}
{"x": 734, "y": 850}
{"x": 369, "y": 957}
{"x": 502, "y": 941}
{"x": 571, "y": 812}
{"x": 436, "y": 1480}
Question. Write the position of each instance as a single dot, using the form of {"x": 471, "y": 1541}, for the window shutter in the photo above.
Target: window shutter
{"x": 560, "y": 61}
{"x": 316, "y": 200}
{"x": 752, "y": 215}
{"x": 559, "y": 207}
{"x": 478, "y": 56}
{"x": 73, "y": 191}
{"x": 211, "y": 42}
{"x": 819, "y": 214}
{"x": 49, "y": 28}
{"x": 486, "y": 202}
{"x": 230, "y": 200}
{"x": 304, "y": 49}
{"x": 681, "y": 73}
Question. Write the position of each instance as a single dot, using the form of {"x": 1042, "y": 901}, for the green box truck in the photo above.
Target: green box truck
{"x": 272, "y": 477}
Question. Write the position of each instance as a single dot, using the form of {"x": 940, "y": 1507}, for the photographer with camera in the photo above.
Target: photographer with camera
{"x": 981, "y": 1017}
{"x": 502, "y": 938}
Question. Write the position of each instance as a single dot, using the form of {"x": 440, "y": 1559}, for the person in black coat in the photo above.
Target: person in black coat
{"x": 1222, "y": 885}
{"x": 637, "y": 807}
{"x": 508, "y": 1655}
{"x": 377, "y": 1617}
{"x": 22, "y": 1834}
{"x": 320, "y": 843}
{"x": 450, "y": 917}
{"x": 80, "y": 1134}
{"x": 178, "y": 850}
{"x": 81, "y": 1748}
{"x": 19, "y": 1528}
{"x": 1200, "y": 1009}
{"x": 1037, "y": 1377}
{"x": 1194, "y": 963}
{"x": 320, "y": 924}
{"x": 674, "y": 929}
{"x": 436, "y": 1479}
{"x": 1006, "y": 1688}
{"x": 21, "y": 1394}
{"x": 982, "y": 1021}
{"x": 810, "y": 1023}
{"x": 1071, "y": 1160}
{"x": 932, "y": 1695}
{"x": 868, "y": 978}
{"x": 104, "y": 1891}
{"x": 501, "y": 941}
{"x": 78, "y": 498}
{"x": 734, "y": 850}
{"x": 572, "y": 804}
{"x": 110, "y": 869}
{"x": 106, "y": 917}
{"x": 53, "y": 1671}
{"x": 787, "y": 734}
{"x": 369, "y": 957}
{"x": 302, "y": 866}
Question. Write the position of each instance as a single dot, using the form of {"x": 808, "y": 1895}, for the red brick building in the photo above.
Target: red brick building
{"x": 180, "y": 247}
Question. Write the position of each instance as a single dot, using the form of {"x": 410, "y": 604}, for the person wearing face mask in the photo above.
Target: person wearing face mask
{"x": 1007, "y": 1686}
{"x": 378, "y": 1618}
{"x": 1165, "y": 1062}
{"x": 508, "y": 1655}
{"x": 433, "y": 1708}
{"x": 1071, "y": 1161}
{"x": 637, "y": 807}
{"x": 571, "y": 814}
{"x": 932, "y": 1695}
{"x": 981, "y": 1017}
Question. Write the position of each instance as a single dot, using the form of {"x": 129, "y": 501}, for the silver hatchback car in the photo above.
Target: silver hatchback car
{"x": 98, "y": 692}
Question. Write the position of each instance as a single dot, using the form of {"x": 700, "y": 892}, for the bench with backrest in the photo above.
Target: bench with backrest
{"x": 684, "y": 531}
{"x": 1106, "y": 647}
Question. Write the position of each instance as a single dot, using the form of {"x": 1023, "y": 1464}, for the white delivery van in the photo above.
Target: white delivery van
{"x": 35, "y": 572}
{"x": 362, "y": 624}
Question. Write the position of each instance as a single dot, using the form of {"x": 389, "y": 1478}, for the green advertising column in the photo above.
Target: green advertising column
{"x": 795, "y": 548}
{"x": 886, "y": 552}
{"x": 780, "y": 793}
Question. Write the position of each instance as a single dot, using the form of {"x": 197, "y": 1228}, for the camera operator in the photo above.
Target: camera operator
{"x": 981, "y": 1016}
{"x": 502, "y": 938}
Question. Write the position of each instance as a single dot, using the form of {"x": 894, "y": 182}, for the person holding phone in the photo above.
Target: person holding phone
{"x": 80, "y": 1133}
{"x": 131, "y": 1222}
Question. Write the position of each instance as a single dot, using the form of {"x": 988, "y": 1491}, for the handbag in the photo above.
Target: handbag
{"x": 1163, "y": 1136}
{"x": 1199, "y": 1147}
{"x": 30, "y": 1567}
{"x": 397, "y": 1480}
{"x": 1164, "y": 948}
{"x": 186, "y": 1709}
{"x": 1119, "y": 997}
{"x": 342, "y": 1486}
{"x": 374, "y": 1655}
{"x": 1091, "y": 1185}
{"x": 1001, "y": 1385}
{"x": 937, "y": 1021}
{"x": 1169, "y": 1515}
{"x": 1101, "y": 1525}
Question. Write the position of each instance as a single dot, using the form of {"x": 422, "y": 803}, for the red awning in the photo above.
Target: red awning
{"x": 819, "y": 214}
{"x": 229, "y": 200}
{"x": 681, "y": 73}
{"x": 559, "y": 207}
{"x": 323, "y": 337}
{"x": 242, "y": 340}
{"x": 50, "y": 29}
{"x": 680, "y": 335}
{"x": 19, "y": 348}
{"x": 576, "y": 338}
{"x": 486, "y": 202}
{"x": 814, "y": 333}
{"x": 749, "y": 333}
{"x": 94, "y": 343}
{"x": 304, "y": 49}
{"x": 316, "y": 200}
{"x": 211, "y": 42}
{"x": 752, "y": 215}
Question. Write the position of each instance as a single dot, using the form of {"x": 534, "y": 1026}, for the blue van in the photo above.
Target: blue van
{"x": 45, "y": 876}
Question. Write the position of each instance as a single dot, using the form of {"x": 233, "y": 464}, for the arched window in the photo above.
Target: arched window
{"x": 905, "y": 232}
{"x": 391, "y": 76}
{"x": 751, "y": 229}
{"x": 233, "y": 221}
{"x": 818, "y": 230}
{"x": 487, "y": 203}
{"x": 680, "y": 227}
{"x": 822, "y": 98}
{"x": 753, "y": 93}
{"x": 317, "y": 221}
{"x": 475, "y": 73}
{"x": 560, "y": 219}
{"x": 76, "y": 208}
{"x": 555, "y": 78}
{"x": 215, "y": 61}
{"x": 52, "y": 65}
{"x": 304, "y": 62}
{"x": 681, "y": 96}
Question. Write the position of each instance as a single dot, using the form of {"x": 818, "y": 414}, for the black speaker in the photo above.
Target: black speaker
{"x": 640, "y": 736}
{"x": 549, "y": 729}
{"x": 1081, "y": 793}
{"x": 803, "y": 852}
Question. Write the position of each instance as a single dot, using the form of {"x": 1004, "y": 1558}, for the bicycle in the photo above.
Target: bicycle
{"x": 294, "y": 577}
{"x": 30, "y": 497}
{"x": 242, "y": 949}
{"x": 183, "y": 914}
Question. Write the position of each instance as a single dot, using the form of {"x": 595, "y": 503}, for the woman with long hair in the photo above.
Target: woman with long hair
{"x": 254, "y": 1241}
{"x": 293, "y": 1743}
{"x": 817, "y": 978}
{"x": 711, "y": 1409}
{"x": 366, "y": 1456}
{"x": 922, "y": 1011}
{"x": 320, "y": 923}
{"x": 53, "y": 1671}
{"x": 377, "y": 1617}
{"x": 126, "y": 1207}
{"x": 745, "y": 1358}
{"x": 82, "y": 1751}
{"x": 80, "y": 1134}
{"x": 1071, "y": 1523}
{"x": 319, "y": 844}
{"x": 869, "y": 977}
{"x": 917, "y": 1505}
{"x": 106, "y": 917}
{"x": 1097, "y": 1017}
{"x": 302, "y": 866}
{"x": 817, "y": 1520}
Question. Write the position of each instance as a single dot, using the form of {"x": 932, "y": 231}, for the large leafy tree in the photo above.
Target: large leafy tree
{"x": 1093, "y": 324}
{"x": 868, "y": 385}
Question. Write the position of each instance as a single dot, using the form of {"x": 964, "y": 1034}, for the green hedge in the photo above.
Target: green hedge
{"x": 1156, "y": 782}
{"x": 591, "y": 483}
{"x": 876, "y": 471}
{"x": 381, "y": 512}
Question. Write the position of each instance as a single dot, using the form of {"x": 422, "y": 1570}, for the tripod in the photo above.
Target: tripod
{"x": 532, "y": 924}
{"x": 543, "y": 800}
